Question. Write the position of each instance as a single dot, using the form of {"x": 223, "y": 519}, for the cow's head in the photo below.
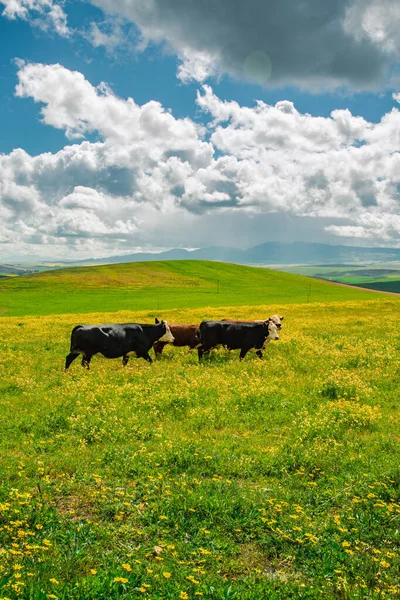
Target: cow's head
{"x": 271, "y": 330}
{"x": 167, "y": 336}
{"x": 276, "y": 320}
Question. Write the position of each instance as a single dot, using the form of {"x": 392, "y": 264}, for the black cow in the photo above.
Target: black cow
{"x": 246, "y": 336}
{"x": 113, "y": 341}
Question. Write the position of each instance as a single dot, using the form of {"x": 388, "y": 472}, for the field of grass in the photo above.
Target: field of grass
{"x": 159, "y": 286}
{"x": 385, "y": 277}
{"x": 257, "y": 480}
{"x": 386, "y": 284}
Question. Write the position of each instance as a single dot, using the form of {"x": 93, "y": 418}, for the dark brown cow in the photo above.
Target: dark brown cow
{"x": 184, "y": 335}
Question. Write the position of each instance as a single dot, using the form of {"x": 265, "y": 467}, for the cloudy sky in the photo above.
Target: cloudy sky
{"x": 151, "y": 124}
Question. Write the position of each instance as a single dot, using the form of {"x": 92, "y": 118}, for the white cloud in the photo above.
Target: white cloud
{"x": 376, "y": 21}
{"x": 196, "y": 66}
{"x": 44, "y": 13}
{"x": 153, "y": 180}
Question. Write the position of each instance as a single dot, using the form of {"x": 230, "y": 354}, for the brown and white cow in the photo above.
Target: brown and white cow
{"x": 184, "y": 335}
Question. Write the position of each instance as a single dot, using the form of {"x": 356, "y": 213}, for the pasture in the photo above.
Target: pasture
{"x": 384, "y": 277}
{"x": 264, "y": 479}
{"x": 160, "y": 286}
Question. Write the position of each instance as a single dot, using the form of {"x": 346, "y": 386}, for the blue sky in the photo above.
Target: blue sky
{"x": 146, "y": 75}
{"x": 349, "y": 68}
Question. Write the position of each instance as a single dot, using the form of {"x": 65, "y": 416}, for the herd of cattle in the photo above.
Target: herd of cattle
{"x": 134, "y": 339}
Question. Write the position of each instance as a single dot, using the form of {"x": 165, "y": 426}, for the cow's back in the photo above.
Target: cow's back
{"x": 107, "y": 337}
{"x": 185, "y": 335}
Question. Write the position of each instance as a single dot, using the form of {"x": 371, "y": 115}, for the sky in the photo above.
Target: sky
{"x": 130, "y": 125}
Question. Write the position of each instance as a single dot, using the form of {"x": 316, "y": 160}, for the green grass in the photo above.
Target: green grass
{"x": 257, "y": 480}
{"x": 385, "y": 277}
{"x": 387, "y": 284}
{"x": 160, "y": 286}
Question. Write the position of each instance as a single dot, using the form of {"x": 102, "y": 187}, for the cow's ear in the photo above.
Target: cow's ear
{"x": 156, "y": 321}
{"x": 281, "y": 318}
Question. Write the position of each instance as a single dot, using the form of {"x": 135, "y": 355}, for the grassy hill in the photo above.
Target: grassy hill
{"x": 160, "y": 286}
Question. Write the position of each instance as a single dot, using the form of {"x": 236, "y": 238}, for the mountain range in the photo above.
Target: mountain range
{"x": 269, "y": 253}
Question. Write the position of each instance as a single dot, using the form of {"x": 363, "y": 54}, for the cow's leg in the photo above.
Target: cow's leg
{"x": 243, "y": 353}
{"x": 125, "y": 360}
{"x": 70, "y": 358}
{"x": 147, "y": 357}
{"x": 86, "y": 361}
{"x": 158, "y": 348}
{"x": 259, "y": 354}
{"x": 200, "y": 351}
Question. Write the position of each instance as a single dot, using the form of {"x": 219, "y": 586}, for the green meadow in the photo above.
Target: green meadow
{"x": 385, "y": 277}
{"x": 272, "y": 479}
{"x": 160, "y": 286}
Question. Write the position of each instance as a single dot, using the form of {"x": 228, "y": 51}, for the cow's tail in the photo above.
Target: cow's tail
{"x": 75, "y": 329}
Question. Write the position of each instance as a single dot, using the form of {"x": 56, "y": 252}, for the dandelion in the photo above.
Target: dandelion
{"x": 52, "y": 580}
{"x": 385, "y": 564}
{"x": 93, "y": 571}
{"x": 167, "y": 575}
{"x": 184, "y": 596}
{"x": 120, "y": 580}
{"x": 127, "y": 567}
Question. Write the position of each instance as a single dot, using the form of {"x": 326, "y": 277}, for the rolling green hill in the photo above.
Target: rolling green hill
{"x": 161, "y": 286}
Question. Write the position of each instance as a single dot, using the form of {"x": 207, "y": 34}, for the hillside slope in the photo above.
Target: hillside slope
{"x": 161, "y": 285}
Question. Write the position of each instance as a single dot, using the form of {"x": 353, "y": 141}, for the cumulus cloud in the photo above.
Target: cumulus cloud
{"x": 376, "y": 21}
{"x": 320, "y": 44}
{"x": 43, "y": 13}
{"x": 154, "y": 180}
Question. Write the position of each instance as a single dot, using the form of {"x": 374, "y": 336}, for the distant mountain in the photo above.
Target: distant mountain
{"x": 269, "y": 253}
{"x": 7, "y": 269}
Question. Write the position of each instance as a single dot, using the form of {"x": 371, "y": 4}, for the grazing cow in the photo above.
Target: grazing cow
{"x": 113, "y": 341}
{"x": 246, "y": 336}
{"x": 184, "y": 335}
{"x": 275, "y": 319}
